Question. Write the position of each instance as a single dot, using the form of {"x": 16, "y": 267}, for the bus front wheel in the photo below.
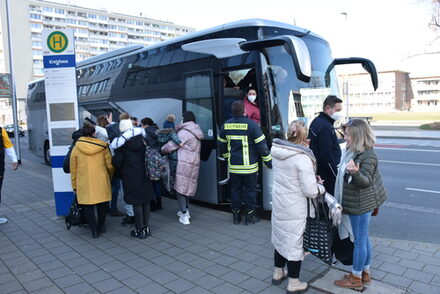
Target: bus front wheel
{"x": 47, "y": 153}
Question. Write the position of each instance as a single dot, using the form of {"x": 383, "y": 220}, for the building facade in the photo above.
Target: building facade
{"x": 394, "y": 92}
{"x": 426, "y": 93}
{"x": 95, "y": 32}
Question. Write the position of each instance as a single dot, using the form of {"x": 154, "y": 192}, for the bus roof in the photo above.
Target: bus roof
{"x": 252, "y": 22}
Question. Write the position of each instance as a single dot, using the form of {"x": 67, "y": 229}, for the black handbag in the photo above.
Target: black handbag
{"x": 318, "y": 235}
{"x": 76, "y": 215}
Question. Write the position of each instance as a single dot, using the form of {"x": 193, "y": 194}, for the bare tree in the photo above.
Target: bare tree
{"x": 435, "y": 21}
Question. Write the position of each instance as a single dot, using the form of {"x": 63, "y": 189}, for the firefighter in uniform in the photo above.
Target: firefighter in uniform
{"x": 6, "y": 147}
{"x": 242, "y": 142}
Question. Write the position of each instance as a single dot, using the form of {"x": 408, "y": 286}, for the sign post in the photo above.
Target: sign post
{"x": 61, "y": 107}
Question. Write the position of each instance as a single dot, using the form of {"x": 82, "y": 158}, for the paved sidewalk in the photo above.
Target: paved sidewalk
{"x": 38, "y": 254}
{"x": 403, "y": 133}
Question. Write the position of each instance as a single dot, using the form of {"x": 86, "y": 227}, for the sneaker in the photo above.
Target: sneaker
{"x": 3, "y": 220}
{"x": 184, "y": 218}
{"x": 128, "y": 220}
{"x": 179, "y": 213}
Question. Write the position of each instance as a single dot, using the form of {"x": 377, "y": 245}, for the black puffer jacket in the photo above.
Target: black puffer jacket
{"x": 151, "y": 137}
{"x": 130, "y": 160}
{"x": 366, "y": 191}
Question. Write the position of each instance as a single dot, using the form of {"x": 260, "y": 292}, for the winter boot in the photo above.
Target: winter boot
{"x": 251, "y": 218}
{"x": 295, "y": 286}
{"x": 159, "y": 204}
{"x": 95, "y": 231}
{"x": 366, "y": 278}
{"x": 128, "y": 220}
{"x": 139, "y": 233}
{"x": 184, "y": 218}
{"x": 351, "y": 282}
{"x": 147, "y": 231}
{"x": 278, "y": 276}
{"x": 153, "y": 205}
{"x": 236, "y": 217}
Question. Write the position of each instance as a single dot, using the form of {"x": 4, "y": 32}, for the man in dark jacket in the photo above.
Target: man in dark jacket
{"x": 242, "y": 142}
{"x": 324, "y": 143}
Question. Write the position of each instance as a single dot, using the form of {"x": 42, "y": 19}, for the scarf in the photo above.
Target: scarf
{"x": 345, "y": 230}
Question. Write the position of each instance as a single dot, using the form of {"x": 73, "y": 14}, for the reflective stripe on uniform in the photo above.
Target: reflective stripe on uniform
{"x": 259, "y": 139}
{"x": 235, "y": 126}
{"x": 267, "y": 158}
{"x": 221, "y": 139}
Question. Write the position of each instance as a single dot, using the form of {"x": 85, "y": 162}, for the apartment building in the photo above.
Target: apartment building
{"x": 426, "y": 93}
{"x": 95, "y": 32}
{"x": 393, "y": 93}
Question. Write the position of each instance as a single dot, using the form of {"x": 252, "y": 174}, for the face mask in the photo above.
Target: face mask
{"x": 337, "y": 115}
{"x": 252, "y": 98}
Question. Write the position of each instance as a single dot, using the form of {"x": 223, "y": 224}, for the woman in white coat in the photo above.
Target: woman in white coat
{"x": 295, "y": 181}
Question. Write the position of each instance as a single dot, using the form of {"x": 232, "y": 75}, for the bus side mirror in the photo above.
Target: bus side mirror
{"x": 294, "y": 46}
{"x": 220, "y": 48}
{"x": 367, "y": 64}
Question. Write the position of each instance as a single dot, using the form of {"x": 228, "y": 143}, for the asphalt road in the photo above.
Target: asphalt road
{"x": 411, "y": 174}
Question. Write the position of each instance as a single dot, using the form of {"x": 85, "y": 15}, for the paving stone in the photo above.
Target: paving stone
{"x": 435, "y": 281}
{"x": 424, "y": 288}
{"x": 49, "y": 290}
{"x": 433, "y": 269}
{"x": 234, "y": 277}
{"x": 392, "y": 268}
{"x": 254, "y": 285}
{"x": 30, "y": 276}
{"x": 152, "y": 288}
{"x": 108, "y": 285}
{"x": 197, "y": 290}
{"x": 123, "y": 290}
{"x": 96, "y": 276}
{"x": 218, "y": 270}
{"x": 411, "y": 264}
{"x": 406, "y": 254}
{"x": 59, "y": 272}
{"x": 179, "y": 286}
{"x": 11, "y": 286}
{"x": 208, "y": 281}
{"x": 192, "y": 272}
{"x": 164, "y": 277}
{"x": 418, "y": 275}
{"x": 388, "y": 258}
{"x": 67, "y": 281}
{"x": 397, "y": 280}
{"x": 79, "y": 288}
{"x": 137, "y": 281}
{"x": 124, "y": 273}
{"x": 227, "y": 288}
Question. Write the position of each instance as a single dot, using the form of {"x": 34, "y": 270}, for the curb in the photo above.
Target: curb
{"x": 406, "y": 137}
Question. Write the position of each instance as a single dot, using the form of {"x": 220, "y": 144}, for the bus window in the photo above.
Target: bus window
{"x": 198, "y": 98}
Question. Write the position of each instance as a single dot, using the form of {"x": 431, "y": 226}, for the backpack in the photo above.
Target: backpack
{"x": 155, "y": 163}
{"x": 76, "y": 215}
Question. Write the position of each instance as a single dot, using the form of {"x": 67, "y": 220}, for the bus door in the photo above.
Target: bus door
{"x": 198, "y": 96}
{"x": 231, "y": 86}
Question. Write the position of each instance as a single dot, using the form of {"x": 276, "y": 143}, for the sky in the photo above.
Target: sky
{"x": 388, "y": 32}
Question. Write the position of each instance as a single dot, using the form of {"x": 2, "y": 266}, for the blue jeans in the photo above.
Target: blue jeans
{"x": 362, "y": 246}
{"x": 157, "y": 189}
{"x": 116, "y": 187}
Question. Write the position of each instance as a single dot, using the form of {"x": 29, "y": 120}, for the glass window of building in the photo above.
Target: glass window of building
{"x": 47, "y": 9}
{"x": 59, "y": 11}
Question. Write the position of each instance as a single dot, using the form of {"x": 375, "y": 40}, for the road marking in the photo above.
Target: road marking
{"x": 422, "y": 190}
{"x": 407, "y": 149}
{"x": 411, "y": 163}
{"x": 405, "y": 206}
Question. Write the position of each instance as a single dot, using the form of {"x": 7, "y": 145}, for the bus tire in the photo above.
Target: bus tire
{"x": 47, "y": 153}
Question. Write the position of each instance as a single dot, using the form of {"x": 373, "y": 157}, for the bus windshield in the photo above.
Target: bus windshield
{"x": 289, "y": 97}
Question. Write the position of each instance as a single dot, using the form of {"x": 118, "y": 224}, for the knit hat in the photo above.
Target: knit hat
{"x": 125, "y": 125}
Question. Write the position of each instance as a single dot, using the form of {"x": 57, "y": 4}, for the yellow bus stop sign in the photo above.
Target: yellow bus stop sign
{"x": 57, "y": 42}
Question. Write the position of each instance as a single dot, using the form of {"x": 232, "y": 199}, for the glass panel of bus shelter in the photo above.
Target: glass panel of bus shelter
{"x": 291, "y": 98}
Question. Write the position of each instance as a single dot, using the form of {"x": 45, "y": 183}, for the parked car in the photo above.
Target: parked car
{"x": 10, "y": 130}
